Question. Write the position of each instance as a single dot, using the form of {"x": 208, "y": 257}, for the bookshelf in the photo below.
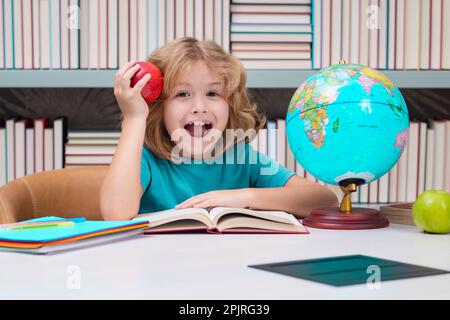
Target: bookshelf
{"x": 90, "y": 61}
{"x": 255, "y": 78}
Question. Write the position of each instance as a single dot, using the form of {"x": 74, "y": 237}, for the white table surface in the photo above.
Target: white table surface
{"x": 203, "y": 266}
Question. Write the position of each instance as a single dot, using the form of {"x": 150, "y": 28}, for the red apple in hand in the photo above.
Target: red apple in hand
{"x": 152, "y": 89}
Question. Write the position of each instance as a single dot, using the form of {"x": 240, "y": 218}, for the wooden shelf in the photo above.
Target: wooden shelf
{"x": 256, "y": 78}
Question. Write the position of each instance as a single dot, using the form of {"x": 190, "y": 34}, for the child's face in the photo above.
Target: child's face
{"x": 196, "y": 111}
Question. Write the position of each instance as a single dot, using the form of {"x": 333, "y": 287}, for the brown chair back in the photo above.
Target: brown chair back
{"x": 67, "y": 193}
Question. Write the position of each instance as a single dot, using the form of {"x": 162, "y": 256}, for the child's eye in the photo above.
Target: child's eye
{"x": 213, "y": 93}
{"x": 182, "y": 94}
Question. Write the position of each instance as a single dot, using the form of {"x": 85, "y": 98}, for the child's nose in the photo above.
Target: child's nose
{"x": 199, "y": 108}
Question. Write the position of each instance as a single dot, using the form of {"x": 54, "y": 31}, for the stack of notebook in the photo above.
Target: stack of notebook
{"x": 49, "y": 234}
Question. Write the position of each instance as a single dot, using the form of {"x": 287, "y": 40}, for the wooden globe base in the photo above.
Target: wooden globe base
{"x": 333, "y": 218}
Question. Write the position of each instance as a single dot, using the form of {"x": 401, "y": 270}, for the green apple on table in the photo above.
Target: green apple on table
{"x": 431, "y": 211}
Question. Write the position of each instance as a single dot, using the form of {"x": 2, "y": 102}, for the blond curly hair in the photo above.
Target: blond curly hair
{"x": 173, "y": 59}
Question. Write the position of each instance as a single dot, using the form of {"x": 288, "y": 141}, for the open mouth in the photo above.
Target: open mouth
{"x": 198, "y": 129}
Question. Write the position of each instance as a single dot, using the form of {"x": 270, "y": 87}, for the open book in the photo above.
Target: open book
{"x": 222, "y": 220}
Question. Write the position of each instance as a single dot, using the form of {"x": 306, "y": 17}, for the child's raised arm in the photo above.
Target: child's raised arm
{"x": 121, "y": 189}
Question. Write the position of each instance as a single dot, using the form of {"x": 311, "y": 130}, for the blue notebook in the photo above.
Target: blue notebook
{"x": 83, "y": 233}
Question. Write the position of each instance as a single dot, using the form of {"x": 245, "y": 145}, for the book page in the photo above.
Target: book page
{"x": 170, "y": 215}
{"x": 279, "y": 216}
{"x": 237, "y": 223}
{"x": 187, "y": 225}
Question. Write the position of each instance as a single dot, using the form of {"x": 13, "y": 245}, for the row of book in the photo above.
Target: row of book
{"x": 303, "y": 34}
{"x": 424, "y": 164}
{"x": 30, "y": 146}
{"x": 90, "y": 147}
{"x": 102, "y": 34}
{"x": 270, "y": 35}
{"x": 382, "y": 34}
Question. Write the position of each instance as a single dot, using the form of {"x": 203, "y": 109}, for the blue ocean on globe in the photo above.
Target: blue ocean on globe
{"x": 347, "y": 122}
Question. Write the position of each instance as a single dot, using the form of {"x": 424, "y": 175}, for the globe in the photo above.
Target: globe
{"x": 347, "y": 123}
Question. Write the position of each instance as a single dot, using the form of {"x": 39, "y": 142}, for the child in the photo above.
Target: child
{"x": 171, "y": 152}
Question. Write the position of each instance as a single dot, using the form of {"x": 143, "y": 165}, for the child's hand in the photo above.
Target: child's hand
{"x": 220, "y": 198}
{"x": 130, "y": 99}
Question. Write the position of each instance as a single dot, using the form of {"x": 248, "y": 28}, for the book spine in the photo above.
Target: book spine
{"x": 64, "y": 17}
{"x": 447, "y": 157}
{"x": 364, "y": 33}
{"x": 161, "y": 22}
{"x": 170, "y": 20}
{"x": 439, "y": 147}
{"x": 400, "y": 35}
{"x": 391, "y": 33}
{"x": 93, "y": 34}
{"x": 382, "y": 36}
{"x": 20, "y": 148}
{"x": 218, "y": 26}
{"x": 8, "y": 27}
{"x": 189, "y": 7}
{"x": 153, "y": 21}
{"x": 103, "y": 34}
{"x": 336, "y": 32}
{"x": 48, "y": 149}
{"x": 3, "y": 153}
{"x": 272, "y": 140}
{"x": 2, "y": 47}
{"x": 281, "y": 141}
{"x": 18, "y": 34}
{"x": 393, "y": 183}
{"x": 383, "y": 189}
{"x": 412, "y": 33}
{"x": 10, "y": 150}
{"x": 424, "y": 35}
{"x": 226, "y": 26}
{"x": 262, "y": 141}
{"x": 27, "y": 24}
{"x": 317, "y": 33}
{"x": 445, "y": 63}
{"x": 74, "y": 34}
{"x": 402, "y": 175}
{"x": 58, "y": 143}
{"x": 345, "y": 26}
{"x": 55, "y": 35}
{"x": 364, "y": 193}
{"x": 113, "y": 20}
{"x": 133, "y": 33}
{"x": 84, "y": 34}
{"x": 374, "y": 24}
{"x": 39, "y": 144}
{"x": 373, "y": 192}
{"x": 180, "y": 18}
{"x": 209, "y": 20}
{"x": 435, "y": 35}
{"x": 29, "y": 151}
{"x": 422, "y": 157}
{"x": 199, "y": 19}
{"x": 142, "y": 30}
{"x": 354, "y": 31}
{"x": 429, "y": 159}
{"x": 413, "y": 165}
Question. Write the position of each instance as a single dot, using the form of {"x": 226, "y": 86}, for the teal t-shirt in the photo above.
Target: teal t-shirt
{"x": 166, "y": 183}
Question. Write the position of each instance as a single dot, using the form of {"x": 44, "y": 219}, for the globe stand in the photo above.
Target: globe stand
{"x": 345, "y": 217}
